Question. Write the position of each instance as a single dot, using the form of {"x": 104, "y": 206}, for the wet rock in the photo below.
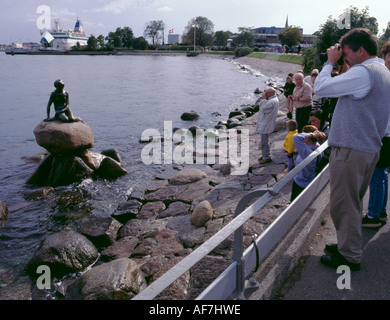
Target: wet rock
{"x": 3, "y": 213}
{"x": 101, "y": 231}
{"x": 194, "y": 130}
{"x": 19, "y": 289}
{"x": 151, "y": 209}
{"x": 169, "y": 192}
{"x": 155, "y": 185}
{"x": 233, "y": 122}
{"x": 127, "y": 211}
{"x": 140, "y": 227}
{"x": 195, "y": 191}
{"x": 237, "y": 113}
{"x": 189, "y": 116}
{"x": 113, "y": 154}
{"x": 38, "y": 193}
{"x": 62, "y": 137}
{"x": 35, "y": 158}
{"x": 145, "y": 248}
{"x": 122, "y": 248}
{"x": 88, "y": 159}
{"x": 152, "y": 265}
{"x": 175, "y": 209}
{"x": 167, "y": 243}
{"x": 120, "y": 279}
{"x": 63, "y": 252}
{"x": 110, "y": 169}
{"x": 60, "y": 170}
{"x": 202, "y": 213}
{"x": 188, "y": 234}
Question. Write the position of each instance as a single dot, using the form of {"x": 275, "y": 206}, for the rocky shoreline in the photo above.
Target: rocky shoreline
{"x": 153, "y": 230}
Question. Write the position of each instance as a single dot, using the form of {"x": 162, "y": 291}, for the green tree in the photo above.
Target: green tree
{"x": 245, "y": 38}
{"x": 154, "y": 30}
{"x": 330, "y": 33}
{"x": 100, "y": 41}
{"x": 203, "y": 30}
{"x": 92, "y": 43}
{"x": 140, "y": 43}
{"x": 221, "y": 37}
{"x": 386, "y": 33}
{"x": 122, "y": 37}
{"x": 290, "y": 36}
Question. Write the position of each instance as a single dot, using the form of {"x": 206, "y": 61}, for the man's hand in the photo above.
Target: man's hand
{"x": 318, "y": 134}
{"x": 334, "y": 53}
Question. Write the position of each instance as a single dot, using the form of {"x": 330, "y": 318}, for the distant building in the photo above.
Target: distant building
{"x": 31, "y": 45}
{"x": 268, "y": 36}
{"x": 175, "y": 39}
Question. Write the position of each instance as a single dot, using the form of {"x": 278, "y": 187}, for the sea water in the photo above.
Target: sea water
{"x": 119, "y": 97}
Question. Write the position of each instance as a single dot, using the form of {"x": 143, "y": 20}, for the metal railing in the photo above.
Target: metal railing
{"x": 231, "y": 283}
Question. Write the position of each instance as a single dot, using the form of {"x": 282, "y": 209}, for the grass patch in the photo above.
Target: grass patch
{"x": 290, "y": 58}
{"x": 225, "y": 53}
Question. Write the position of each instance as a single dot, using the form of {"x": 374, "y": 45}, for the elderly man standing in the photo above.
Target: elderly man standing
{"x": 359, "y": 123}
{"x": 302, "y": 100}
{"x": 268, "y": 112}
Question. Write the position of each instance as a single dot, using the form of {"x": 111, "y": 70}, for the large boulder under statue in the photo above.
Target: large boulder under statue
{"x": 64, "y": 137}
{"x": 70, "y": 159}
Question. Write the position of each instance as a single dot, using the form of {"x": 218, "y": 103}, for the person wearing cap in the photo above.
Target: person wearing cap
{"x": 60, "y": 99}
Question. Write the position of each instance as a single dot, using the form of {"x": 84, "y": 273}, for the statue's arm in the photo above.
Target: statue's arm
{"x": 48, "y": 107}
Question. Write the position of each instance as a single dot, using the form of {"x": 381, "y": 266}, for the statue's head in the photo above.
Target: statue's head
{"x": 59, "y": 84}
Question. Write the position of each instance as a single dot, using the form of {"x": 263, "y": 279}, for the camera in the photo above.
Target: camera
{"x": 324, "y": 58}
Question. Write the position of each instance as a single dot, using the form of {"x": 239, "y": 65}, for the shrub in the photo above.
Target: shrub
{"x": 243, "y": 51}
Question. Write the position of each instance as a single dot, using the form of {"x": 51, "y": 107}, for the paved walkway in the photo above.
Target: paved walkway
{"x": 313, "y": 281}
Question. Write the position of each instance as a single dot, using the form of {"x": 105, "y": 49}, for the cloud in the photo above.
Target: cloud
{"x": 165, "y": 9}
{"x": 117, "y": 6}
{"x": 120, "y": 6}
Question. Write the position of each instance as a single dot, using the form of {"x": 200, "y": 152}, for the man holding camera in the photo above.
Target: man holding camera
{"x": 358, "y": 126}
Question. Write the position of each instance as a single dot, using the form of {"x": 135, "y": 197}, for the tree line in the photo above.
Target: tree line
{"x": 200, "y": 31}
{"x": 330, "y": 33}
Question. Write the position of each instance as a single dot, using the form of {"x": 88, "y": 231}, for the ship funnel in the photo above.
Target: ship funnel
{"x": 78, "y": 26}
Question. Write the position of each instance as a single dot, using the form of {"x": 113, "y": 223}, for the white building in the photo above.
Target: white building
{"x": 175, "y": 39}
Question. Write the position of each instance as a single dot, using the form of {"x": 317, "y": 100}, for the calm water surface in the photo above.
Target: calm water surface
{"x": 119, "y": 97}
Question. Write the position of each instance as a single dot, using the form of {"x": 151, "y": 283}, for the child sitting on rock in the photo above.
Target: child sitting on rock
{"x": 289, "y": 145}
{"x": 305, "y": 142}
{"x": 60, "y": 99}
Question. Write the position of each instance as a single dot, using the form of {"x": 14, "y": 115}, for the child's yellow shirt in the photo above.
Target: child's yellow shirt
{"x": 289, "y": 143}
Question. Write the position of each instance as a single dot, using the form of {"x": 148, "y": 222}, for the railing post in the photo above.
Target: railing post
{"x": 238, "y": 250}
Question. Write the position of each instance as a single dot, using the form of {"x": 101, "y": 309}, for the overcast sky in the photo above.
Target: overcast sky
{"x": 18, "y": 18}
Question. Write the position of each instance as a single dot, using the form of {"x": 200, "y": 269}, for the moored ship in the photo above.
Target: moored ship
{"x": 63, "y": 40}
